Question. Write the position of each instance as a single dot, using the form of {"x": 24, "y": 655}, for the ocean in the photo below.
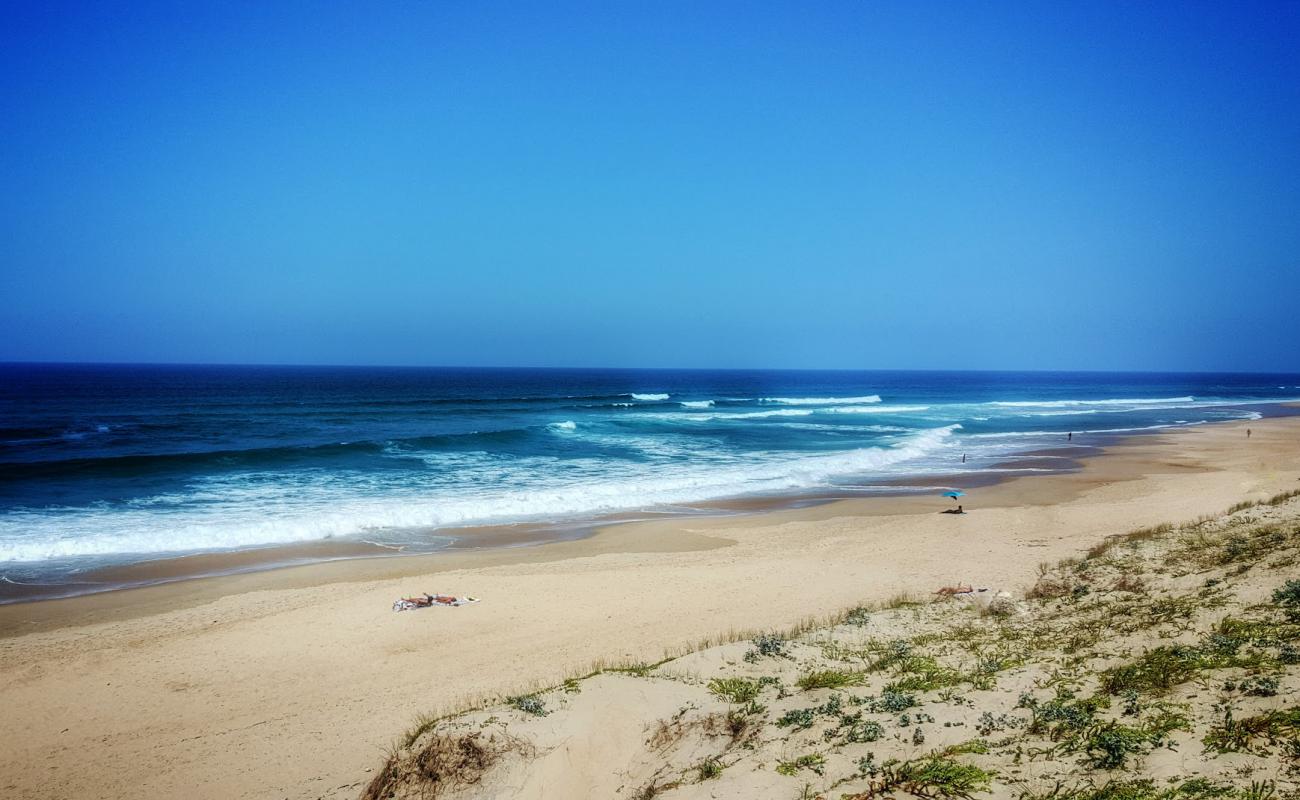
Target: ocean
{"x": 109, "y": 465}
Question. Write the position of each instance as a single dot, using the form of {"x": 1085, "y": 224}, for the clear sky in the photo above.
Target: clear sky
{"x": 860, "y": 185}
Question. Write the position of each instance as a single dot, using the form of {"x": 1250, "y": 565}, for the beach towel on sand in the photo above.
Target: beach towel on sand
{"x": 430, "y": 600}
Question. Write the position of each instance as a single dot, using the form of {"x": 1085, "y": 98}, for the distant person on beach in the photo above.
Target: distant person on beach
{"x": 963, "y": 458}
{"x": 1069, "y": 437}
{"x": 1248, "y": 433}
{"x": 427, "y": 600}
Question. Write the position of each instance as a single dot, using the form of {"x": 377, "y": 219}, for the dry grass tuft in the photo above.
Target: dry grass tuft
{"x": 444, "y": 763}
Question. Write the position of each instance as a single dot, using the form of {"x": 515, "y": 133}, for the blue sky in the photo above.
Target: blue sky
{"x": 858, "y": 185}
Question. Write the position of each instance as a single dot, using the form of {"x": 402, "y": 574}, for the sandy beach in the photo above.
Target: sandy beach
{"x": 293, "y": 683}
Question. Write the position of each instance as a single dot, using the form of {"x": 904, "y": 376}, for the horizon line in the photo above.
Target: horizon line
{"x": 555, "y": 368}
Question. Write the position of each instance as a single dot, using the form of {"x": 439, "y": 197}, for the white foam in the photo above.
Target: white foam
{"x": 697, "y": 404}
{"x": 267, "y": 509}
{"x": 1109, "y": 402}
{"x": 873, "y": 409}
{"x": 778, "y": 412}
{"x": 567, "y": 425}
{"x": 649, "y": 396}
{"x": 821, "y": 401}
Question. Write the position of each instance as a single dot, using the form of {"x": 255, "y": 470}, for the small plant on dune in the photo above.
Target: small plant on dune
{"x": 709, "y": 768}
{"x": 830, "y": 679}
{"x": 1253, "y": 734}
{"x": 1288, "y": 597}
{"x": 867, "y": 766}
{"x": 652, "y": 790}
{"x": 423, "y": 724}
{"x": 859, "y": 616}
{"x": 1145, "y": 789}
{"x": 985, "y": 673}
{"x": 857, "y": 731}
{"x": 1108, "y": 746}
{"x": 803, "y": 718}
{"x": 922, "y": 674}
{"x": 1062, "y": 717}
{"x": 1156, "y": 670}
{"x": 529, "y": 704}
{"x": 813, "y": 761}
{"x": 798, "y": 718}
{"x": 935, "y": 775}
{"x": 767, "y": 645}
{"x": 893, "y": 702}
{"x": 734, "y": 690}
{"x": 1000, "y": 608}
{"x": 1257, "y": 686}
{"x": 989, "y": 723}
{"x": 1049, "y": 587}
{"x": 892, "y": 653}
{"x": 1259, "y": 790}
{"x": 741, "y": 721}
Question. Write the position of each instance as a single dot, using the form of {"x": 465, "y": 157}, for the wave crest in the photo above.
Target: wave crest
{"x": 1141, "y": 401}
{"x": 821, "y": 401}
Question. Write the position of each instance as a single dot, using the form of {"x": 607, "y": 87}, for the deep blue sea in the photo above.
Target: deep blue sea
{"x": 104, "y": 465}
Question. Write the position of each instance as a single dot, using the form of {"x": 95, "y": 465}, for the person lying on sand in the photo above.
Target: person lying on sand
{"x": 426, "y": 600}
{"x": 949, "y": 591}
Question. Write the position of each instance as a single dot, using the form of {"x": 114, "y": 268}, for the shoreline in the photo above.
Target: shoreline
{"x": 170, "y": 583}
{"x": 1042, "y": 459}
{"x": 163, "y": 570}
{"x": 166, "y": 569}
{"x": 291, "y": 682}
{"x": 160, "y": 584}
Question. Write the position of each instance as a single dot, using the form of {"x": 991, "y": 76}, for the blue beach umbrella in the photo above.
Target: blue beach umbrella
{"x": 954, "y": 493}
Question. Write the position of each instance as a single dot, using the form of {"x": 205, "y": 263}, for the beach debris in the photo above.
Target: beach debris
{"x": 427, "y": 600}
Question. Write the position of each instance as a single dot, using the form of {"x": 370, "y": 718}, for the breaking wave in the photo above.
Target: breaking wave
{"x": 1109, "y": 402}
{"x": 821, "y": 401}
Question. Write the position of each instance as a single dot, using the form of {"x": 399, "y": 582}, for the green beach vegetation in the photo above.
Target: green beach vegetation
{"x": 1173, "y": 650}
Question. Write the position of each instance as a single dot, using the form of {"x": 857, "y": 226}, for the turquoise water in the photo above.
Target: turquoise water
{"x": 109, "y": 465}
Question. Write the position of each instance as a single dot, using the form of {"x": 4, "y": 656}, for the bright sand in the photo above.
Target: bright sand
{"x": 292, "y": 683}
